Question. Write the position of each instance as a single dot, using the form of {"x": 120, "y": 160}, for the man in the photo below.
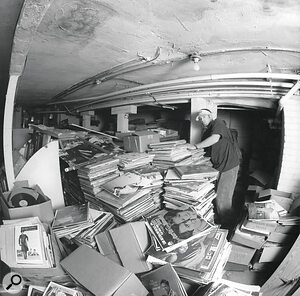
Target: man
{"x": 164, "y": 284}
{"x": 23, "y": 242}
{"x": 223, "y": 150}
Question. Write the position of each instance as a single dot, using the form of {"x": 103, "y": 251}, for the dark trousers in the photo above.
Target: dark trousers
{"x": 225, "y": 189}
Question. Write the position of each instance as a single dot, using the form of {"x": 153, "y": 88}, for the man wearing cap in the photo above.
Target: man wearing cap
{"x": 221, "y": 147}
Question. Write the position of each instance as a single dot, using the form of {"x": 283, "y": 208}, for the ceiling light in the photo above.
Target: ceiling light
{"x": 195, "y": 58}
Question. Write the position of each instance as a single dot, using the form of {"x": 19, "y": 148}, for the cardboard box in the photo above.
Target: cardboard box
{"x": 38, "y": 276}
{"x": 129, "y": 254}
{"x": 43, "y": 210}
{"x": 139, "y": 141}
{"x": 101, "y": 276}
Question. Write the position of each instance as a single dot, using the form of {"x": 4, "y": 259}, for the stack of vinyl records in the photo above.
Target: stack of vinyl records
{"x": 132, "y": 195}
{"x": 71, "y": 220}
{"x": 196, "y": 172}
{"x": 134, "y": 160}
{"x": 198, "y": 192}
{"x": 167, "y": 154}
{"x": 191, "y": 193}
{"x": 200, "y": 259}
{"x": 102, "y": 221}
{"x": 197, "y": 249}
{"x": 197, "y": 157}
{"x": 93, "y": 175}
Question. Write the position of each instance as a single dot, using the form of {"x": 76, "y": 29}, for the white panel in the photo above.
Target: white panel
{"x": 289, "y": 179}
{"x": 43, "y": 169}
{"x": 7, "y": 130}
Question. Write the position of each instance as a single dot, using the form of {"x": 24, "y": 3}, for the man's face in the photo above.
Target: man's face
{"x": 204, "y": 117}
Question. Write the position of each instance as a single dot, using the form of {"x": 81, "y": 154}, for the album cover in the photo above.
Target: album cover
{"x": 35, "y": 290}
{"x": 173, "y": 228}
{"x": 54, "y": 289}
{"x": 28, "y": 244}
{"x": 199, "y": 254}
{"x": 163, "y": 281}
{"x": 196, "y": 171}
{"x": 71, "y": 215}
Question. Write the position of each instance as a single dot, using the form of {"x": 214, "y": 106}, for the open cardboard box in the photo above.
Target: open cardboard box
{"x": 40, "y": 276}
{"x": 42, "y": 210}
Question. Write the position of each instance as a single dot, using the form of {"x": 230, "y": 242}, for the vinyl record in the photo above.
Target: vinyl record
{"x": 23, "y": 200}
{"x": 23, "y": 197}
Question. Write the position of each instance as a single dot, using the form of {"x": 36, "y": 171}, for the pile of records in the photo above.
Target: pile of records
{"x": 197, "y": 157}
{"x": 132, "y": 195}
{"x": 96, "y": 173}
{"x": 102, "y": 221}
{"x": 201, "y": 259}
{"x": 167, "y": 154}
{"x": 196, "y": 248}
{"x": 134, "y": 160}
{"x": 71, "y": 220}
{"x": 198, "y": 193}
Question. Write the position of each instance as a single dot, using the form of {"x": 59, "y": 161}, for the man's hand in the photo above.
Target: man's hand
{"x": 191, "y": 146}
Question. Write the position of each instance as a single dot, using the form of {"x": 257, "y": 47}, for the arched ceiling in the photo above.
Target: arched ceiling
{"x": 94, "y": 50}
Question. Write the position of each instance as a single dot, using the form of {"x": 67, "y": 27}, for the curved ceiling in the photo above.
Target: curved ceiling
{"x": 105, "y": 52}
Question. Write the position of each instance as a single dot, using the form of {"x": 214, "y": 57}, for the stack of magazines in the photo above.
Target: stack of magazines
{"x": 97, "y": 172}
{"x": 26, "y": 244}
{"x": 134, "y": 160}
{"x": 197, "y": 249}
{"x": 132, "y": 195}
{"x": 167, "y": 154}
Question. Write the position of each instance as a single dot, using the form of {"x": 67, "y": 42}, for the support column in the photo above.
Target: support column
{"x": 122, "y": 116}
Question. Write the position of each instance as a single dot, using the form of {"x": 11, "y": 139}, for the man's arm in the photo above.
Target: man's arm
{"x": 211, "y": 140}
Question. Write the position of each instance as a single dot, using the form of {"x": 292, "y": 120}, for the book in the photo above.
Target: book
{"x": 163, "y": 281}
{"x": 173, "y": 228}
